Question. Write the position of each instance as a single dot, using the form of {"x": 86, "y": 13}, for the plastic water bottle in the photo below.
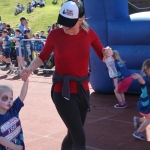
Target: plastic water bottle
{"x": 111, "y": 67}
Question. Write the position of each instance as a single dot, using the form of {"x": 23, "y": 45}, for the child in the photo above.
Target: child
{"x": 143, "y": 105}
{"x": 38, "y": 45}
{"x": 11, "y": 135}
{"x": 18, "y": 37}
{"x": 49, "y": 29}
{"x": 6, "y": 51}
{"x": 125, "y": 80}
{"x": 42, "y": 36}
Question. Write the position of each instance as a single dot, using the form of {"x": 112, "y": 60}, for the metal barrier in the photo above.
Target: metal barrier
{"x": 137, "y": 9}
{"x": 18, "y": 45}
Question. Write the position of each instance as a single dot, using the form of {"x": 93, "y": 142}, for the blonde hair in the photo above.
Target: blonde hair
{"x": 117, "y": 56}
{"x": 146, "y": 65}
{"x": 84, "y": 25}
{"x": 5, "y": 87}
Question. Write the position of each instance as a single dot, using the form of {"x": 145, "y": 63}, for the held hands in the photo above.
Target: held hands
{"x": 107, "y": 51}
{"x": 25, "y": 73}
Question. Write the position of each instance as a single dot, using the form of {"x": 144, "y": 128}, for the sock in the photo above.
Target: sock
{"x": 8, "y": 64}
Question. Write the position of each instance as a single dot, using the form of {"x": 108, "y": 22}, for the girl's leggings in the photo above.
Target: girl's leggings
{"x": 73, "y": 115}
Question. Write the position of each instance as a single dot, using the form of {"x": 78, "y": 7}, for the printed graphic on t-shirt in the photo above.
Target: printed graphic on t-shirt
{"x": 11, "y": 129}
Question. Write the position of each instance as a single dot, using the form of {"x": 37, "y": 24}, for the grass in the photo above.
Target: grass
{"x": 38, "y": 20}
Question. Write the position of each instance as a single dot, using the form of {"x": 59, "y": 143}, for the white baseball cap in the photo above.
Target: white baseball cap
{"x": 69, "y": 13}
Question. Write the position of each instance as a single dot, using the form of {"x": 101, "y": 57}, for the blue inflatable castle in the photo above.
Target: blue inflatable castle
{"x": 129, "y": 34}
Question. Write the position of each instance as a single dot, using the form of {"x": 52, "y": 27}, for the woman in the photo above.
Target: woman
{"x": 70, "y": 91}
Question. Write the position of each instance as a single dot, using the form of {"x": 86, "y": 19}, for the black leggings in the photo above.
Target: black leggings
{"x": 73, "y": 115}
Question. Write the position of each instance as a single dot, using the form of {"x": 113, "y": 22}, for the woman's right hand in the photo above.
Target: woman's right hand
{"x": 25, "y": 73}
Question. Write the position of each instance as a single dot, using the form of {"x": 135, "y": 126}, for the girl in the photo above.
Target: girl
{"x": 11, "y": 134}
{"x": 143, "y": 105}
{"x": 125, "y": 80}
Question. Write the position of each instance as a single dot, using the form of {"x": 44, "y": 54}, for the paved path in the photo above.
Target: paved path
{"x": 106, "y": 128}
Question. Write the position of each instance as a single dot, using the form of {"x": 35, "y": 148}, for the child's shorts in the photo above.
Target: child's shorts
{"x": 145, "y": 115}
{"x": 124, "y": 84}
{"x": 6, "y": 54}
{"x": 22, "y": 52}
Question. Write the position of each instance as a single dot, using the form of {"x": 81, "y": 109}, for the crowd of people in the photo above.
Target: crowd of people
{"x": 9, "y": 48}
{"x": 19, "y": 8}
{"x": 30, "y": 7}
{"x": 70, "y": 91}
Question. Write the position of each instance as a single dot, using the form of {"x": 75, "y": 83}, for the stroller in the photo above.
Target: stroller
{"x": 48, "y": 64}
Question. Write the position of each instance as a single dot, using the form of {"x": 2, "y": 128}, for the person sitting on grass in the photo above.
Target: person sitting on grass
{"x": 41, "y": 3}
{"x": 17, "y": 9}
{"x": 29, "y": 7}
{"x": 34, "y": 3}
{"x": 11, "y": 135}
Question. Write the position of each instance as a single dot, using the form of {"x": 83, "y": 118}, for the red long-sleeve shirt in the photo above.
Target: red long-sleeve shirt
{"x": 71, "y": 54}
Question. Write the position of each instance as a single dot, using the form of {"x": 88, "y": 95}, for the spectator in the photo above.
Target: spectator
{"x": 21, "y": 8}
{"x": 29, "y": 7}
{"x": 22, "y": 23}
{"x": 42, "y": 36}
{"x": 3, "y": 25}
{"x": 18, "y": 37}
{"x": 12, "y": 44}
{"x": 23, "y": 26}
{"x": 54, "y": 26}
{"x": 27, "y": 35}
{"x": 41, "y": 3}
{"x": 34, "y": 3}
{"x": 6, "y": 51}
{"x": 38, "y": 45}
{"x": 17, "y": 9}
{"x": 12, "y": 30}
{"x": 49, "y": 29}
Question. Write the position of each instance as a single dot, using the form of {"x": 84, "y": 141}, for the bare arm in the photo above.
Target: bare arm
{"x": 24, "y": 90}
{"x": 138, "y": 77}
{"x": 30, "y": 34}
{"x": 6, "y": 143}
{"x": 27, "y": 71}
{"x": 35, "y": 64}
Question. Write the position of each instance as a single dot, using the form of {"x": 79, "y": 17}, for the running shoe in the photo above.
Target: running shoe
{"x": 10, "y": 72}
{"x": 121, "y": 105}
{"x": 139, "y": 135}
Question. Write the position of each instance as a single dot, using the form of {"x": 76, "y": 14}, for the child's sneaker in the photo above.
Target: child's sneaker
{"x": 136, "y": 122}
{"x": 10, "y": 72}
{"x": 139, "y": 135}
{"x": 121, "y": 105}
